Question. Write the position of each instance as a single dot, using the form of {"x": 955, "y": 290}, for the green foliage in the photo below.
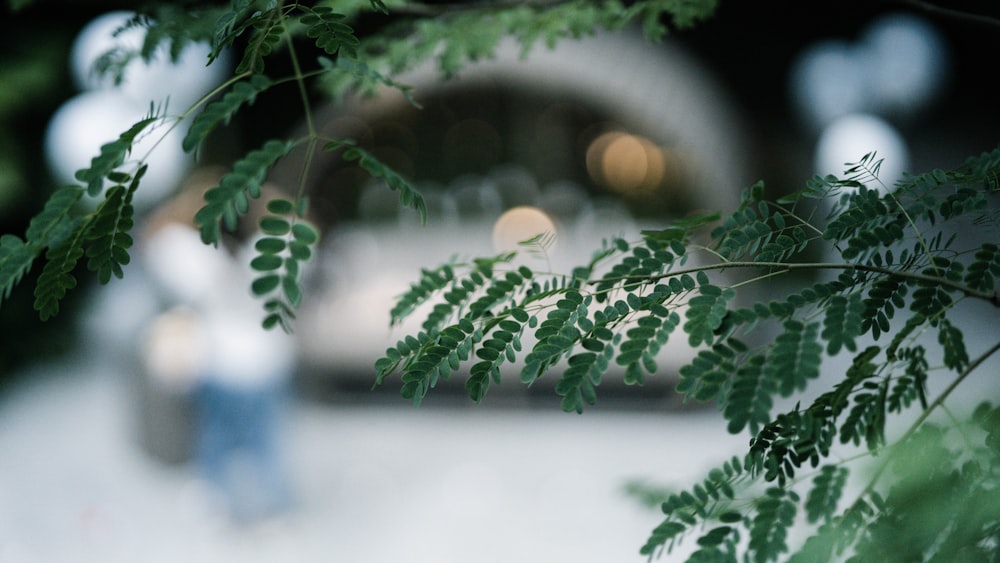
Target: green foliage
{"x": 112, "y": 156}
{"x": 286, "y": 243}
{"x": 902, "y": 274}
{"x": 454, "y": 37}
{"x": 889, "y": 310}
{"x": 108, "y": 235}
{"x": 332, "y": 35}
{"x": 258, "y": 30}
{"x": 225, "y": 203}
{"x": 221, "y": 111}
{"x": 408, "y": 196}
{"x": 713, "y": 499}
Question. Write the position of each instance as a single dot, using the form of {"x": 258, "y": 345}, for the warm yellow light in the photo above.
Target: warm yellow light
{"x": 519, "y": 224}
{"x": 626, "y": 163}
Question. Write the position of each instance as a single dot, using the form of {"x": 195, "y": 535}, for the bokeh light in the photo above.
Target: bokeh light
{"x": 895, "y": 68}
{"x": 626, "y": 163}
{"x": 850, "y": 137}
{"x": 102, "y": 110}
{"x": 90, "y": 119}
{"x": 183, "y": 81}
{"x": 907, "y": 62}
{"x": 827, "y": 81}
{"x": 519, "y": 224}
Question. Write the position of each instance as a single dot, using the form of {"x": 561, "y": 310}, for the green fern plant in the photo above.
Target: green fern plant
{"x": 890, "y": 303}
{"x": 344, "y": 62}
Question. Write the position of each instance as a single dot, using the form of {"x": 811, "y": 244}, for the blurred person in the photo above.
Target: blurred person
{"x": 238, "y": 373}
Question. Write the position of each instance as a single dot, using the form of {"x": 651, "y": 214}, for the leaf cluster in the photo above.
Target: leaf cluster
{"x": 889, "y": 307}
{"x": 71, "y": 228}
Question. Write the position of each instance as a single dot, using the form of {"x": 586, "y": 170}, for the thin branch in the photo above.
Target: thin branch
{"x": 782, "y": 267}
{"x": 938, "y": 402}
{"x": 947, "y": 13}
{"x": 424, "y": 9}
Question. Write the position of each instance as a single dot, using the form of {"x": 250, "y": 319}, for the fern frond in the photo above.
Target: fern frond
{"x": 833, "y": 538}
{"x": 706, "y": 311}
{"x": 952, "y": 341}
{"x": 708, "y": 373}
{"x": 930, "y": 299}
{"x": 176, "y": 27}
{"x": 503, "y": 345}
{"x": 408, "y": 196}
{"x": 111, "y": 157}
{"x": 795, "y": 357}
{"x": 634, "y": 268}
{"x": 910, "y": 386}
{"x": 50, "y": 228}
{"x": 983, "y": 272}
{"x": 231, "y": 24}
{"x": 57, "y": 276}
{"x": 330, "y": 31}
{"x": 769, "y": 531}
{"x": 419, "y": 292}
{"x": 556, "y": 335}
{"x": 431, "y": 359}
{"x": 644, "y": 341}
{"x": 286, "y": 245}
{"x": 982, "y": 169}
{"x": 745, "y": 232}
{"x": 231, "y": 198}
{"x": 108, "y": 236}
{"x": 711, "y": 499}
{"x": 865, "y": 223}
{"x": 886, "y": 296}
{"x": 500, "y": 293}
{"x": 364, "y": 77}
{"x": 679, "y": 232}
{"x": 842, "y": 322}
{"x": 241, "y": 94}
{"x": 866, "y": 419}
{"x": 578, "y": 384}
{"x": 16, "y": 259}
{"x": 748, "y": 403}
{"x": 827, "y": 489}
{"x": 54, "y": 223}
{"x": 267, "y": 33}
{"x": 790, "y": 440}
{"x": 832, "y": 403}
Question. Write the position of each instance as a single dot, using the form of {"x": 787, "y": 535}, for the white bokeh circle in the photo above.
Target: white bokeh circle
{"x": 183, "y": 81}
{"x": 907, "y": 62}
{"x": 848, "y": 138}
{"x": 84, "y": 123}
{"x": 828, "y": 81}
{"x": 102, "y": 111}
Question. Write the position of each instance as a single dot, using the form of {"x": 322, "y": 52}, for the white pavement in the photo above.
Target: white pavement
{"x": 376, "y": 482}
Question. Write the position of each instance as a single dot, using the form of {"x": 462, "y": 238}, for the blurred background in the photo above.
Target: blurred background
{"x": 597, "y": 138}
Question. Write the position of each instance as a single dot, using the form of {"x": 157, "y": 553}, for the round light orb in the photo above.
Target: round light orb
{"x": 519, "y": 224}
{"x": 626, "y": 163}
{"x": 827, "y": 81}
{"x": 94, "y": 40}
{"x": 907, "y": 62}
{"x": 159, "y": 81}
{"x": 84, "y": 123}
{"x": 849, "y": 138}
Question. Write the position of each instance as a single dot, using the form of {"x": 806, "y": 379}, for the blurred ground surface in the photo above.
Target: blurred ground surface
{"x": 375, "y": 481}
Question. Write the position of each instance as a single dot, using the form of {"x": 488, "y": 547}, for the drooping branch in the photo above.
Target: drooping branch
{"x": 948, "y": 13}
{"x": 783, "y": 267}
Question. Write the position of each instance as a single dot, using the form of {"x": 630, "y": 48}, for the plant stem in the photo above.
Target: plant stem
{"x": 307, "y": 112}
{"x": 782, "y": 267}
{"x": 938, "y": 402}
